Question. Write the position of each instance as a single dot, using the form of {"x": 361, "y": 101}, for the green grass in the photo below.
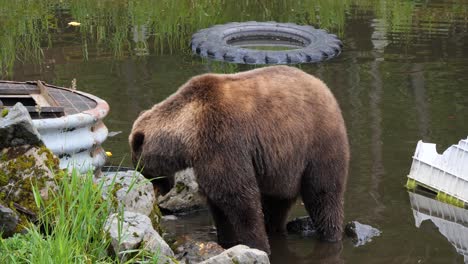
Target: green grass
{"x": 71, "y": 228}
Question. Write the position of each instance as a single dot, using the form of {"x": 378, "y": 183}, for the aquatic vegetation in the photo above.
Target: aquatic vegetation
{"x": 24, "y": 32}
{"x": 139, "y": 28}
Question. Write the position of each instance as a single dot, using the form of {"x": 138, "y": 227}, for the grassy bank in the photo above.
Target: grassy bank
{"x": 71, "y": 228}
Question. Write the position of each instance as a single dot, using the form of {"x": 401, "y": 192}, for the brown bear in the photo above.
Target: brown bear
{"x": 256, "y": 140}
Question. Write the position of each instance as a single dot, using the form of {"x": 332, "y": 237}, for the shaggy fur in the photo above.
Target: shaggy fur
{"x": 256, "y": 141}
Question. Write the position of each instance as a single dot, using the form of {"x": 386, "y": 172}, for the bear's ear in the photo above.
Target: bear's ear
{"x": 137, "y": 142}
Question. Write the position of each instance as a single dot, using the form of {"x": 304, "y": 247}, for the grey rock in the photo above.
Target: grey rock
{"x": 191, "y": 251}
{"x": 8, "y": 221}
{"x": 169, "y": 217}
{"x": 132, "y": 191}
{"x": 136, "y": 232}
{"x": 23, "y": 164}
{"x": 361, "y": 234}
{"x": 184, "y": 196}
{"x": 17, "y": 129}
{"x": 239, "y": 254}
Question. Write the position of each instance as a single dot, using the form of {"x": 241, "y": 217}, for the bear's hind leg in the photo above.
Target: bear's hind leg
{"x": 322, "y": 191}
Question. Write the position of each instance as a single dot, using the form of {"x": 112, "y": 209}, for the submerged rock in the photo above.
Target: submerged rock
{"x": 301, "y": 225}
{"x": 239, "y": 254}
{"x": 184, "y": 196}
{"x": 190, "y": 251}
{"x": 360, "y": 233}
{"x": 8, "y": 221}
{"x": 169, "y": 217}
{"x": 135, "y": 231}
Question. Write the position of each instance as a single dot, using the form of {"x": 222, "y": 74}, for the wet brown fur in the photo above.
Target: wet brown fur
{"x": 256, "y": 141}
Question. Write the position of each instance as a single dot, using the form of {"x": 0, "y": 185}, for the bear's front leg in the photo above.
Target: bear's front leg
{"x": 225, "y": 231}
{"x": 233, "y": 193}
{"x": 245, "y": 217}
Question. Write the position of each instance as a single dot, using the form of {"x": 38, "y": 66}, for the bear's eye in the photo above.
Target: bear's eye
{"x": 137, "y": 141}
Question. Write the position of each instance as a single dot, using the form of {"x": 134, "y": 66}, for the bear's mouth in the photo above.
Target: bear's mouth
{"x": 162, "y": 184}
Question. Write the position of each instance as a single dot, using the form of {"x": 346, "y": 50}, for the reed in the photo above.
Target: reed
{"x": 122, "y": 28}
{"x": 70, "y": 227}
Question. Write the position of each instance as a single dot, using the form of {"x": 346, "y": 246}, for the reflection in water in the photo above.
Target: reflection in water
{"x": 198, "y": 225}
{"x": 422, "y": 107}
{"x": 377, "y": 169}
{"x": 139, "y": 27}
{"x": 292, "y": 250}
{"x": 375, "y": 99}
{"x": 142, "y": 27}
{"x": 451, "y": 221}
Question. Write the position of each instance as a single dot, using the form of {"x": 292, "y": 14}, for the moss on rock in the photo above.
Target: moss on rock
{"x": 21, "y": 168}
{"x": 113, "y": 196}
{"x": 156, "y": 217}
{"x": 180, "y": 186}
{"x": 4, "y": 112}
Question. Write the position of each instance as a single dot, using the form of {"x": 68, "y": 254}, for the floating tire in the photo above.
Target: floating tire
{"x": 230, "y": 42}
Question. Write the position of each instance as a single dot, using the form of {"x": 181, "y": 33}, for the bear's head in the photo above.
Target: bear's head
{"x": 157, "y": 150}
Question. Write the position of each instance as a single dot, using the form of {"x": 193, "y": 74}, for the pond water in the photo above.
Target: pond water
{"x": 402, "y": 76}
{"x": 266, "y": 43}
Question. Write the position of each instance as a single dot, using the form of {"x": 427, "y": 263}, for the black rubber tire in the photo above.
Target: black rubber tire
{"x": 315, "y": 44}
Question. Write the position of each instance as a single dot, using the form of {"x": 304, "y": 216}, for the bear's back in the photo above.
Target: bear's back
{"x": 272, "y": 94}
{"x": 269, "y": 88}
{"x": 280, "y": 111}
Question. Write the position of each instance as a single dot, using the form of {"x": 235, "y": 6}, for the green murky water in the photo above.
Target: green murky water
{"x": 402, "y": 76}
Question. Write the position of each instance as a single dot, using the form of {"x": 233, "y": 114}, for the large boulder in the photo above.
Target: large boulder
{"x": 132, "y": 192}
{"x": 24, "y": 162}
{"x": 135, "y": 231}
{"x": 239, "y": 254}
{"x": 184, "y": 196}
{"x": 22, "y": 166}
{"x": 16, "y": 128}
